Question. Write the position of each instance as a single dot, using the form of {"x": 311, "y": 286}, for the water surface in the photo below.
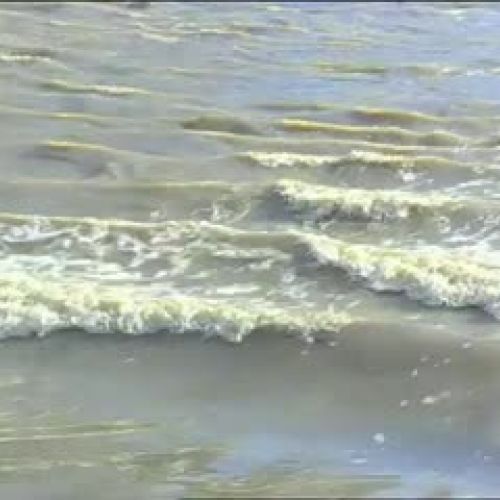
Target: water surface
{"x": 249, "y": 249}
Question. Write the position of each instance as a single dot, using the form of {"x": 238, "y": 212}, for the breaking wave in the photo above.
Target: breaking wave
{"x": 320, "y": 202}
{"x": 354, "y": 158}
{"x": 34, "y": 306}
{"x": 433, "y": 276}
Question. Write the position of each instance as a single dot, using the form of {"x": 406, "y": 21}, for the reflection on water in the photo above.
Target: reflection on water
{"x": 292, "y": 207}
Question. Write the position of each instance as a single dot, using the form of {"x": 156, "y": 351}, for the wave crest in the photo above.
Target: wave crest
{"x": 32, "y": 306}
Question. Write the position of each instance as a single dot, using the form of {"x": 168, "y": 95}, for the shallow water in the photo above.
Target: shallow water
{"x": 249, "y": 249}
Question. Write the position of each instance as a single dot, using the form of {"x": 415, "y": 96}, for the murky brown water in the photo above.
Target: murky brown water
{"x": 249, "y": 249}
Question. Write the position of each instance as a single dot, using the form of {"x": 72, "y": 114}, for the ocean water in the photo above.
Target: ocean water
{"x": 249, "y": 249}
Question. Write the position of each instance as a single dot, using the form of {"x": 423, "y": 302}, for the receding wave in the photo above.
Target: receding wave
{"x": 72, "y": 431}
{"x": 34, "y": 306}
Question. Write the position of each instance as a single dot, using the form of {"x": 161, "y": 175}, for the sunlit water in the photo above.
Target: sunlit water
{"x": 249, "y": 249}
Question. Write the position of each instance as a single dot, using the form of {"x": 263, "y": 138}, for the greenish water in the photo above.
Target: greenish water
{"x": 249, "y": 249}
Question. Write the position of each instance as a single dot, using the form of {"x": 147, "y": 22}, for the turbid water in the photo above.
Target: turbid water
{"x": 249, "y": 249}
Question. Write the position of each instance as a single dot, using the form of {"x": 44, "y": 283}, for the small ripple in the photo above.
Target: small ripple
{"x": 394, "y": 134}
{"x": 221, "y": 124}
{"x": 101, "y": 90}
